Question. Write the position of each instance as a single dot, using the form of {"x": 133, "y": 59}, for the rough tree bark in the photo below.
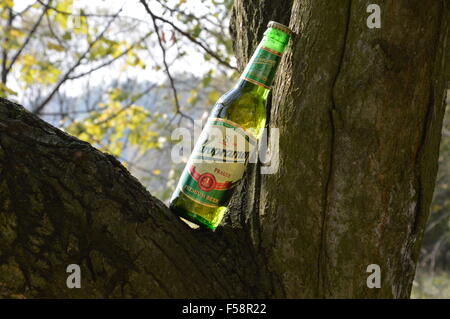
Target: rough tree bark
{"x": 359, "y": 113}
{"x": 63, "y": 202}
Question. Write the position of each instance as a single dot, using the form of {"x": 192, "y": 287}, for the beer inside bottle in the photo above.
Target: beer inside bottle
{"x": 229, "y": 137}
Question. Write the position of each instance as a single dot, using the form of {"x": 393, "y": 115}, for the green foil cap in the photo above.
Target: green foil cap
{"x": 263, "y": 65}
{"x": 277, "y": 36}
{"x": 279, "y": 26}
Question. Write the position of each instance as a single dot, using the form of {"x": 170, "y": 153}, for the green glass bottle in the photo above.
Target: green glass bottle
{"x": 229, "y": 137}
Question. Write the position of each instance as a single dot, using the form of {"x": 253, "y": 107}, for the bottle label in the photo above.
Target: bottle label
{"x": 217, "y": 163}
{"x": 262, "y": 67}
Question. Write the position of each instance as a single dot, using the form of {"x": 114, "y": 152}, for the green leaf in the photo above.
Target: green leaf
{"x": 55, "y": 46}
{"x": 196, "y": 31}
{"x": 5, "y": 91}
{"x": 67, "y": 36}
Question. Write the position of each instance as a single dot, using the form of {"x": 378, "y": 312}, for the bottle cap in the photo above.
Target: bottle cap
{"x": 279, "y": 26}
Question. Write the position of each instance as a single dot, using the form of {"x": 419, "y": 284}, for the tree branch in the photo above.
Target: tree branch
{"x": 187, "y": 35}
{"x": 127, "y": 106}
{"x": 166, "y": 66}
{"x": 65, "y": 77}
{"x": 4, "y": 74}
{"x": 27, "y": 40}
{"x": 106, "y": 63}
{"x": 87, "y": 15}
{"x": 63, "y": 202}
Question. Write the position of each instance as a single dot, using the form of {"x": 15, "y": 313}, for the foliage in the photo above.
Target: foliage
{"x": 431, "y": 286}
{"x": 116, "y": 124}
{"x": 435, "y": 254}
{"x": 95, "y": 71}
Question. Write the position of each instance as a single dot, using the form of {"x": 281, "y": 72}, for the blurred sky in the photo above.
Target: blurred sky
{"x": 193, "y": 62}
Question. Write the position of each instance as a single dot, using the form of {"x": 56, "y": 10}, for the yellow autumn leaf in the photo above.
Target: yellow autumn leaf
{"x": 84, "y": 137}
{"x": 4, "y": 89}
{"x": 213, "y": 96}
{"x": 15, "y": 33}
{"x": 55, "y": 46}
{"x": 8, "y": 3}
{"x": 156, "y": 172}
{"x": 64, "y": 5}
{"x": 28, "y": 59}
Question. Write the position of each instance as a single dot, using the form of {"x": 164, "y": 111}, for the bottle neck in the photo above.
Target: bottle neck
{"x": 261, "y": 69}
{"x": 246, "y": 86}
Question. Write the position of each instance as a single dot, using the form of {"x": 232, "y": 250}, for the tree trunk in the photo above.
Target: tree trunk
{"x": 63, "y": 202}
{"x": 360, "y": 114}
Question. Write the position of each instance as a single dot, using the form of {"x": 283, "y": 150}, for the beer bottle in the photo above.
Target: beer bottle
{"x": 229, "y": 137}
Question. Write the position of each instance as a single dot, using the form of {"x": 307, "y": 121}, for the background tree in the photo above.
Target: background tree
{"x": 360, "y": 115}
{"x": 97, "y": 70}
{"x": 433, "y": 277}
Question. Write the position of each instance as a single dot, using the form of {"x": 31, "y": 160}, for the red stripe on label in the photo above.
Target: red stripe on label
{"x": 218, "y": 186}
{"x": 195, "y": 175}
{"x": 271, "y": 51}
{"x": 256, "y": 82}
